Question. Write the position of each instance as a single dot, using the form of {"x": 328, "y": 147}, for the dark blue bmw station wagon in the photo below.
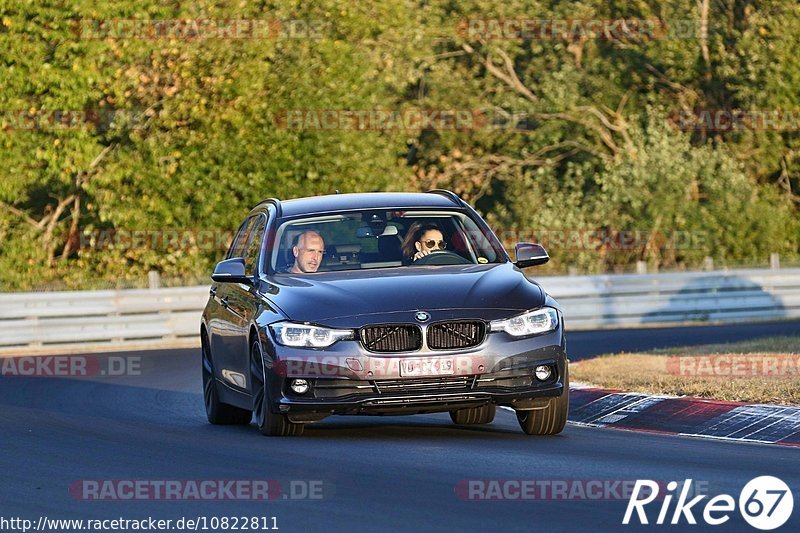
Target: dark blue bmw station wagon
{"x": 379, "y": 304}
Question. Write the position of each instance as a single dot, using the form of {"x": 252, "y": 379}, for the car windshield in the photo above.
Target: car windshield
{"x": 382, "y": 239}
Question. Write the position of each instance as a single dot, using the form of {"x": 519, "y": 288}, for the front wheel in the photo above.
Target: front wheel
{"x": 550, "y": 420}
{"x": 269, "y": 423}
{"x": 218, "y": 413}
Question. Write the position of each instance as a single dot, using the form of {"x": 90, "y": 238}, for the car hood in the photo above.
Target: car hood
{"x": 336, "y": 298}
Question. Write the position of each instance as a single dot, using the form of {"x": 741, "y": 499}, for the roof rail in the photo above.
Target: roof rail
{"x": 276, "y": 203}
{"x": 448, "y": 194}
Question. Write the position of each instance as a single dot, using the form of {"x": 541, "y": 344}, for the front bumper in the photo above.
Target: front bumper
{"x": 346, "y": 379}
{"x": 430, "y": 402}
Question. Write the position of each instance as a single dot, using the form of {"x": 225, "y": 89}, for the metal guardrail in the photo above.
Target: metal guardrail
{"x": 640, "y": 299}
{"x": 75, "y": 319}
{"x": 79, "y": 318}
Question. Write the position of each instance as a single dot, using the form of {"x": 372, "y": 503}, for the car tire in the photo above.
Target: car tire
{"x": 218, "y": 413}
{"x": 270, "y": 424}
{"x": 474, "y": 415}
{"x": 550, "y": 420}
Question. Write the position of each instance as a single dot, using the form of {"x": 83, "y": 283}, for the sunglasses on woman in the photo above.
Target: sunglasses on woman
{"x": 430, "y": 243}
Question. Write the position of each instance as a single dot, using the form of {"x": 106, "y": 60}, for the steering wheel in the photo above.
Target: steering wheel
{"x": 442, "y": 257}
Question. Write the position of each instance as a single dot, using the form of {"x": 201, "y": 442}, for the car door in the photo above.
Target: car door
{"x": 225, "y": 323}
{"x": 244, "y": 300}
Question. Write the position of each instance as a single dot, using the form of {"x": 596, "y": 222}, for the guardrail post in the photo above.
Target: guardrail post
{"x": 641, "y": 267}
{"x": 708, "y": 263}
{"x": 153, "y": 279}
{"x": 774, "y": 261}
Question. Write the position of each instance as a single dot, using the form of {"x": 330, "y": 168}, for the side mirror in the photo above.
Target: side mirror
{"x": 231, "y": 271}
{"x": 529, "y": 254}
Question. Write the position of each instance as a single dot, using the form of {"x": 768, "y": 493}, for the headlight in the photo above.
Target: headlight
{"x": 304, "y": 335}
{"x": 530, "y": 323}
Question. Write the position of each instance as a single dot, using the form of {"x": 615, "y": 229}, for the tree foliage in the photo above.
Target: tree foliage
{"x": 575, "y": 135}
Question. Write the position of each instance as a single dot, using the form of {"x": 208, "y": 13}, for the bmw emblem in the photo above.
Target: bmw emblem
{"x": 422, "y": 316}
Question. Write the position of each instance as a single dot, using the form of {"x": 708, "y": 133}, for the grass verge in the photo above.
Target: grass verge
{"x": 761, "y": 371}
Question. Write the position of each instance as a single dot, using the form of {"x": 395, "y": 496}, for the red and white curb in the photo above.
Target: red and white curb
{"x": 695, "y": 417}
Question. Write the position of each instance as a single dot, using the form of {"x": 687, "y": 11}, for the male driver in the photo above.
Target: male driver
{"x": 308, "y": 252}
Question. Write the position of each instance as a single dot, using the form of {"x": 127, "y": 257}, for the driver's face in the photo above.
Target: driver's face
{"x": 308, "y": 253}
{"x": 431, "y": 240}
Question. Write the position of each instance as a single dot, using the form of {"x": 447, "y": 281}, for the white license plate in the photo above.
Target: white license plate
{"x": 426, "y": 367}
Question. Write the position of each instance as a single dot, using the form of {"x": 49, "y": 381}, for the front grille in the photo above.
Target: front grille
{"x": 338, "y": 388}
{"x": 422, "y": 385}
{"x": 462, "y": 334}
{"x": 392, "y": 338}
{"x": 413, "y": 402}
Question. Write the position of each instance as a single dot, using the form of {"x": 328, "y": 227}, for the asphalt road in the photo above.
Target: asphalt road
{"x": 376, "y": 473}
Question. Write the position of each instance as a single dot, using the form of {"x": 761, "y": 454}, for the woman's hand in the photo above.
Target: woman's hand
{"x": 422, "y": 253}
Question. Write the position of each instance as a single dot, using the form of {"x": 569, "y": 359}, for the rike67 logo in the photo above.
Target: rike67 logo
{"x": 765, "y": 503}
